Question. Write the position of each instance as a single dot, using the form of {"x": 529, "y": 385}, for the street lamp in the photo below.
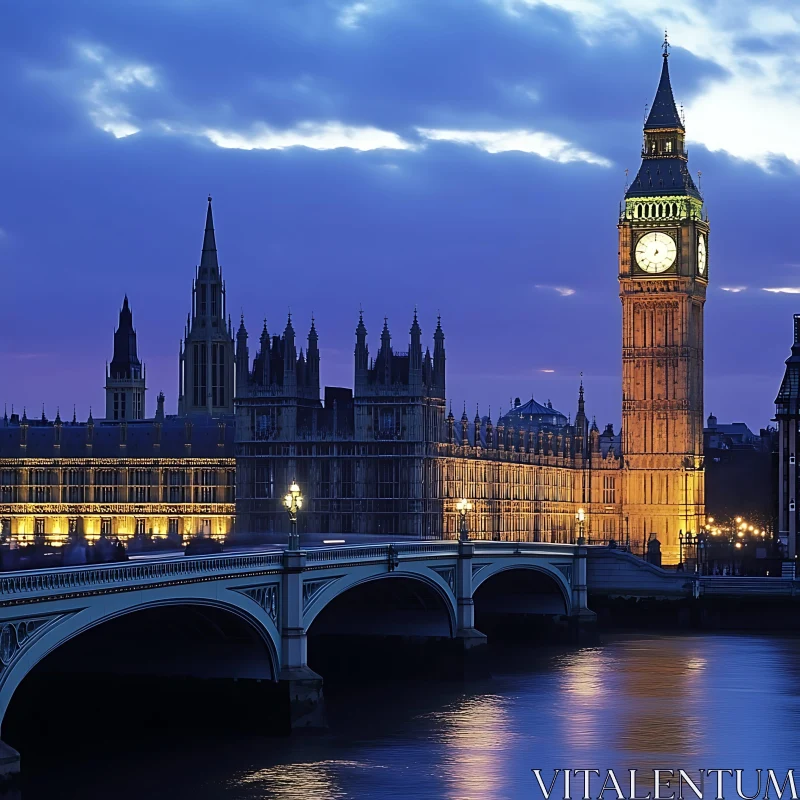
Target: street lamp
{"x": 463, "y": 507}
{"x": 293, "y": 502}
{"x": 580, "y": 517}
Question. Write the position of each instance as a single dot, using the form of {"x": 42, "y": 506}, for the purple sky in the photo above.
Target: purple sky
{"x": 465, "y": 156}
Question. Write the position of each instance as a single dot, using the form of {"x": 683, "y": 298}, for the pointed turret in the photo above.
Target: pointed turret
{"x": 415, "y": 352}
{"x": 125, "y": 379}
{"x": 312, "y": 361}
{"x": 439, "y": 358}
{"x": 464, "y": 426}
{"x": 451, "y": 420}
{"x": 361, "y": 351}
{"x": 385, "y": 354}
{"x": 208, "y": 258}
{"x": 477, "y": 427}
{"x": 581, "y": 424}
{"x": 663, "y": 112}
{"x": 125, "y": 361}
{"x": 160, "y": 407}
{"x": 289, "y": 354}
{"x": 242, "y": 360}
{"x": 207, "y": 360}
{"x": 664, "y": 171}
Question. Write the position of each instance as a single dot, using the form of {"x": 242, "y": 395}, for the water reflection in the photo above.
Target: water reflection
{"x": 296, "y": 781}
{"x": 474, "y": 736}
{"x": 636, "y": 702}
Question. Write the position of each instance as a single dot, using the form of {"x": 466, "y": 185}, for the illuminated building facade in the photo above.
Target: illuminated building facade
{"x": 152, "y": 477}
{"x": 126, "y": 475}
{"x": 663, "y": 276}
{"x": 388, "y": 459}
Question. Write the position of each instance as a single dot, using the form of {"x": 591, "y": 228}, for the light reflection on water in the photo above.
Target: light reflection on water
{"x": 636, "y": 702}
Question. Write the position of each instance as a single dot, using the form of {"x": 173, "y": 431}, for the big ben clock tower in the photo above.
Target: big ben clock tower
{"x": 663, "y": 275}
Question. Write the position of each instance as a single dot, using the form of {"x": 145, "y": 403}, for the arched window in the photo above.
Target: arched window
{"x": 668, "y": 147}
{"x": 638, "y": 211}
{"x": 660, "y": 210}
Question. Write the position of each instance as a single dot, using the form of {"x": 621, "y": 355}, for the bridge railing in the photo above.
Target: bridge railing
{"x": 36, "y": 584}
{"x": 69, "y": 579}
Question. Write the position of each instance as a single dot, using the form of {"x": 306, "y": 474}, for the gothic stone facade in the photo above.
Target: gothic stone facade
{"x": 387, "y": 459}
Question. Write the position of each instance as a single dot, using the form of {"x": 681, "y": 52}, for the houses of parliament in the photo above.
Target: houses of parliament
{"x": 389, "y": 456}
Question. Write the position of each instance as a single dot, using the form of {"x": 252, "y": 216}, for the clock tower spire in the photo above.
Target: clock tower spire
{"x": 663, "y": 275}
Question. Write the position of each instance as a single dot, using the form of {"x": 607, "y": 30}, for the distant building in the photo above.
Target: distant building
{"x": 740, "y": 473}
{"x": 787, "y": 415}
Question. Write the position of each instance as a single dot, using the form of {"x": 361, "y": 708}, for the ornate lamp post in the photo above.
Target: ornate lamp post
{"x": 463, "y": 507}
{"x": 293, "y": 502}
{"x": 579, "y": 518}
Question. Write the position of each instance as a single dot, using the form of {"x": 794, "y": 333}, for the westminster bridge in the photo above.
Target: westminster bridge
{"x": 258, "y": 609}
{"x": 250, "y": 615}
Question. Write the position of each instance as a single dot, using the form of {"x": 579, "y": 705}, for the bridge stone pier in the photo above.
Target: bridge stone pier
{"x": 263, "y": 606}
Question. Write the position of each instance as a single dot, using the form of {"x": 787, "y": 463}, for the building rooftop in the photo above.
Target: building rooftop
{"x": 207, "y": 437}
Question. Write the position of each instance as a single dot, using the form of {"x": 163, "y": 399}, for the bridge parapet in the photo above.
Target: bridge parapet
{"x": 617, "y": 573}
{"x": 29, "y": 585}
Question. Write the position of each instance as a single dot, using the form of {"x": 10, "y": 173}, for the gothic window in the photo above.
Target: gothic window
{"x": 140, "y": 485}
{"x": 105, "y": 526}
{"x": 177, "y": 481}
{"x": 207, "y": 490}
{"x": 106, "y": 486}
{"x": 221, "y": 381}
{"x": 668, "y": 147}
{"x": 40, "y": 481}
{"x": 38, "y": 526}
{"x": 5, "y": 528}
{"x": 140, "y": 526}
{"x": 122, "y": 396}
{"x": 214, "y": 301}
{"x": 172, "y": 526}
{"x": 199, "y": 374}
{"x": 72, "y": 525}
{"x": 203, "y": 300}
{"x": 116, "y": 405}
{"x": 609, "y": 489}
{"x": 215, "y": 374}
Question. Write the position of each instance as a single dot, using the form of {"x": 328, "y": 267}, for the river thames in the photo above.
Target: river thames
{"x": 636, "y": 701}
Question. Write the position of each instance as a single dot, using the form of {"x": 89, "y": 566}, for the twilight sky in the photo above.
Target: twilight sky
{"x": 463, "y": 156}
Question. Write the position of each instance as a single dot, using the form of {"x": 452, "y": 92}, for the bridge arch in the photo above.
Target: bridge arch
{"x": 53, "y": 627}
{"x": 525, "y": 577}
{"x": 421, "y": 578}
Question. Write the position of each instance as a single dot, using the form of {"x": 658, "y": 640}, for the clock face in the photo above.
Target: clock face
{"x": 655, "y": 252}
{"x": 701, "y": 255}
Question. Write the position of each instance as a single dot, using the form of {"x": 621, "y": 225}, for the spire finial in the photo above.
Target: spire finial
{"x": 209, "y": 198}
{"x": 664, "y": 47}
